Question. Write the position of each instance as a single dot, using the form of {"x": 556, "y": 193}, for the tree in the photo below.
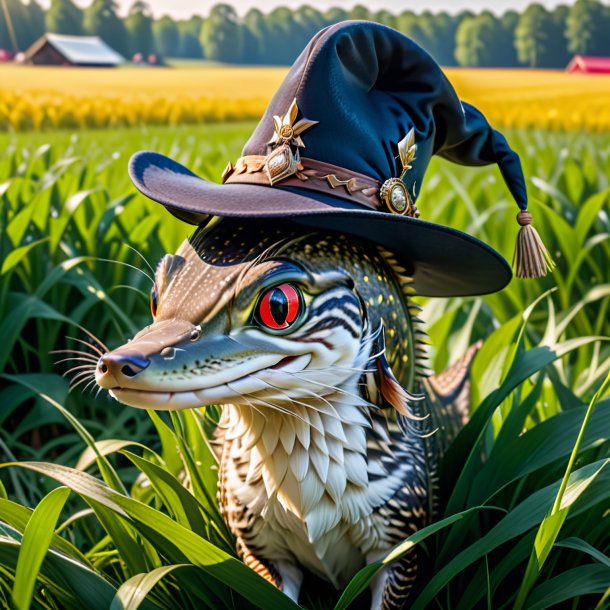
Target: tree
{"x": 221, "y": 36}
{"x": 508, "y": 26}
{"x": 27, "y": 22}
{"x": 35, "y": 20}
{"x": 102, "y": 20}
{"x": 409, "y": 24}
{"x": 189, "y": 45}
{"x": 558, "y": 43}
{"x": 167, "y": 36}
{"x": 587, "y": 27}
{"x": 385, "y": 17}
{"x": 532, "y": 37}
{"x": 63, "y": 17}
{"x": 139, "y": 27}
{"x": 255, "y": 37}
{"x": 478, "y": 41}
{"x": 437, "y": 34}
{"x": 284, "y": 45}
{"x": 360, "y": 12}
{"x": 335, "y": 15}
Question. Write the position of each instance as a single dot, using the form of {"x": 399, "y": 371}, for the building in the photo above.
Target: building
{"x": 585, "y": 64}
{"x": 60, "y": 50}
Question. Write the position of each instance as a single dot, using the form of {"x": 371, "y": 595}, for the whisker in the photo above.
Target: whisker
{"x": 142, "y": 257}
{"x": 83, "y": 380}
{"x": 275, "y": 406}
{"x": 93, "y": 347}
{"x": 305, "y": 405}
{"x": 89, "y": 385}
{"x": 72, "y": 351}
{"x": 251, "y": 406}
{"x": 140, "y": 292}
{"x": 109, "y": 260}
{"x": 83, "y": 374}
{"x": 91, "y": 360}
{"x": 98, "y": 341}
{"x": 89, "y": 368}
{"x": 325, "y": 385}
{"x": 310, "y": 393}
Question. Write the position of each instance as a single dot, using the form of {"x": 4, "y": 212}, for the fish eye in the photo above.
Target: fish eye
{"x": 280, "y": 307}
{"x": 153, "y": 300}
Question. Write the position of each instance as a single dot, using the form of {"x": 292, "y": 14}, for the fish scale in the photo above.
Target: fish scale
{"x": 326, "y": 460}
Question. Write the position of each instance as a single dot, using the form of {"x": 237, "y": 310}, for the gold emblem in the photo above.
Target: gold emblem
{"x": 335, "y": 182}
{"x": 393, "y": 192}
{"x": 282, "y": 161}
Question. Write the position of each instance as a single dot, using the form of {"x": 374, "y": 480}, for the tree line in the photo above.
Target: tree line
{"x": 537, "y": 37}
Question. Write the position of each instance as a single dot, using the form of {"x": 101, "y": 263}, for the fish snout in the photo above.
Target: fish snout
{"x": 116, "y": 369}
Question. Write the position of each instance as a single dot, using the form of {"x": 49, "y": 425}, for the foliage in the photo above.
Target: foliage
{"x": 27, "y": 21}
{"x": 139, "y": 29}
{"x": 539, "y": 38}
{"x": 587, "y": 28}
{"x": 140, "y": 519}
{"x": 167, "y": 36}
{"x": 544, "y": 38}
{"x": 101, "y": 19}
{"x": 221, "y": 35}
{"x": 64, "y": 17}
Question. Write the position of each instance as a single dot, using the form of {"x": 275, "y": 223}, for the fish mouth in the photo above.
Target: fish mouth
{"x": 240, "y": 390}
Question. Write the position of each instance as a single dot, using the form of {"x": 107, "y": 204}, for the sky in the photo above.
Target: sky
{"x": 185, "y": 8}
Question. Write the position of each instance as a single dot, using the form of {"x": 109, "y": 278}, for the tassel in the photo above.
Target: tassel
{"x": 532, "y": 259}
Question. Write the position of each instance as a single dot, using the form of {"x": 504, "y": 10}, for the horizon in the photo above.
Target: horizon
{"x": 184, "y": 9}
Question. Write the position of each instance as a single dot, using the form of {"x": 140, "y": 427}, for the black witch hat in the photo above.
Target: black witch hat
{"x": 344, "y": 145}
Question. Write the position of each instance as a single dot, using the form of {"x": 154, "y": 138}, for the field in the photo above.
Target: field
{"x": 47, "y": 98}
{"x": 526, "y": 523}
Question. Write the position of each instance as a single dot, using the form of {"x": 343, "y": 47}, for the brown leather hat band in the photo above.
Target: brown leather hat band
{"x": 313, "y": 175}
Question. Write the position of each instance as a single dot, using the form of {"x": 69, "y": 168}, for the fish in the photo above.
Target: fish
{"x": 332, "y": 426}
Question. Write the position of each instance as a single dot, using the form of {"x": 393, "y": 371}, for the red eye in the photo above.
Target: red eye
{"x": 280, "y": 307}
{"x": 153, "y": 301}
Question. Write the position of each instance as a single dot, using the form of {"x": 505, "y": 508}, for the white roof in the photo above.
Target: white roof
{"x": 85, "y": 49}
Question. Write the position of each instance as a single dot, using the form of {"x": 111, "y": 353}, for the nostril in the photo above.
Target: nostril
{"x": 117, "y": 365}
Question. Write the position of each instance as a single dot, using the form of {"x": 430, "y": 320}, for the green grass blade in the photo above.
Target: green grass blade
{"x": 170, "y": 538}
{"x": 133, "y": 592}
{"x": 523, "y": 517}
{"x": 363, "y": 578}
{"x": 568, "y": 586}
{"x": 34, "y": 545}
{"x": 578, "y": 544}
{"x": 551, "y": 524}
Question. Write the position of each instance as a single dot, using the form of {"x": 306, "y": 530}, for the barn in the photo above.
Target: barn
{"x": 587, "y": 64}
{"x": 60, "y": 50}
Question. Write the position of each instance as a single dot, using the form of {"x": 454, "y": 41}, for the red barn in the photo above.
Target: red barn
{"x": 585, "y": 64}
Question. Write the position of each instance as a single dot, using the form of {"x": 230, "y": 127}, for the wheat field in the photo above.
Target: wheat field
{"x": 35, "y": 98}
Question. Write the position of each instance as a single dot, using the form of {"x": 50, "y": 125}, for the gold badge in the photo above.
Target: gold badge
{"x": 282, "y": 162}
{"x": 393, "y": 191}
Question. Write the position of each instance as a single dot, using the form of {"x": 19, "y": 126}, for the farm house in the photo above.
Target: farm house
{"x": 60, "y": 50}
{"x": 586, "y": 64}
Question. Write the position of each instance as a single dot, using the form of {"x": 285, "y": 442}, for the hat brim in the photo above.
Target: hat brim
{"x": 443, "y": 261}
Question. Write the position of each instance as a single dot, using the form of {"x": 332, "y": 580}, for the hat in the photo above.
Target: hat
{"x": 344, "y": 145}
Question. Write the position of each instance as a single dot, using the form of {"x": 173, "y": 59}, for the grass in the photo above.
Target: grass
{"x": 35, "y": 97}
{"x": 134, "y": 517}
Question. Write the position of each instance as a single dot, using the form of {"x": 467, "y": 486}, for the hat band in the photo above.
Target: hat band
{"x": 310, "y": 174}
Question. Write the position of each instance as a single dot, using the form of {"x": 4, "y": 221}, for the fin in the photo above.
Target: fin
{"x": 392, "y": 393}
{"x": 449, "y": 396}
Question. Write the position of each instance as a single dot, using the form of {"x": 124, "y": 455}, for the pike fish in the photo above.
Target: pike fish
{"x": 331, "y": 427}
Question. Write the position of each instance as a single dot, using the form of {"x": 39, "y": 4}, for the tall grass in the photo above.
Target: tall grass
{"x": 134, "y": 519}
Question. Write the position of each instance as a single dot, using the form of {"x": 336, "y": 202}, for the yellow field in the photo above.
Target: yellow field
{"x": 41, "y": 98}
